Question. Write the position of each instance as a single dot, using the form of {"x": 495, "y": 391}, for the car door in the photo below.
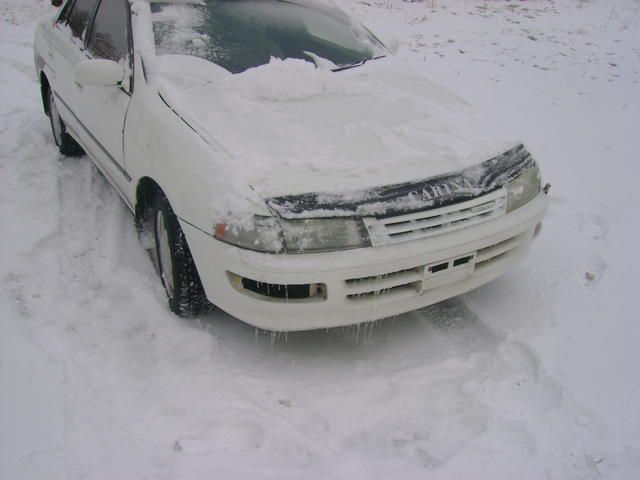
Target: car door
{"x": 103, "y": 110}
{"x": 65, "y": 50}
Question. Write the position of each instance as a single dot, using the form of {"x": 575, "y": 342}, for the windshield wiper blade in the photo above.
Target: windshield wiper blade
{"x": 357, "y": 64}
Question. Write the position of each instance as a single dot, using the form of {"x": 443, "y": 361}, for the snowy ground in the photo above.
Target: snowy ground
{"x": 534, "y": 375}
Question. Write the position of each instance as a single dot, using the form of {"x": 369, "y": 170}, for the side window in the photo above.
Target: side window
{"x": 110, "y": 32}
{"x": 77, "y": 16}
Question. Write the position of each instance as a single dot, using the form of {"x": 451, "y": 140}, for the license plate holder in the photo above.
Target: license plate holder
{"x": 448, "y": 271}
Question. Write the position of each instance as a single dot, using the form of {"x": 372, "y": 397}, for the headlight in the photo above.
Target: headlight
{"x": 297, "y": 236}
{"x": 264, "y": 236}
{"x": 524, "y": 188}
{"x": 324, "y": 234}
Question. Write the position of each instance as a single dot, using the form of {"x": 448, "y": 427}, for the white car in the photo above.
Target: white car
{"x": 281, "y": 163}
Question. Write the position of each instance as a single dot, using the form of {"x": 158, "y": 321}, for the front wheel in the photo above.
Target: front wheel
{"x": 176, "y": 266}
{"x": 65, "y": 143}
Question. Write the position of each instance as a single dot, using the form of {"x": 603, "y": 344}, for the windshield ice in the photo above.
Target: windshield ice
{"x": 241, "y": 34}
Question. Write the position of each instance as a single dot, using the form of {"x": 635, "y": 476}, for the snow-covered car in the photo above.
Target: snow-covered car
{"x": 281, "y": 163}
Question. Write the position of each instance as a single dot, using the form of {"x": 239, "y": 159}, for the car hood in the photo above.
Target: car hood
{"x": 292, "y": 129}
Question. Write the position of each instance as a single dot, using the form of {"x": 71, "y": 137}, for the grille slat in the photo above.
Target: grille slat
{"x": 383, "y": 282}
{"x": 435, "y": 221}
{"x": 384, "y": 231}
{"x": 395, "y": 293}
{"x": 492, "y": 251}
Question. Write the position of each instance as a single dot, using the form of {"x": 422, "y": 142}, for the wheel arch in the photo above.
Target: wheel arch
{"x": 193, "y": 300}
{"x": 45, "y": 86}
{"x": 147, "y": 190}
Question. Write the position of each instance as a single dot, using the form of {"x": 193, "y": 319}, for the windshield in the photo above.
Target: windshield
{"x": 241, "y": 34}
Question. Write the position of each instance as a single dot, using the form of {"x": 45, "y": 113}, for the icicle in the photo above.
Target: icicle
{"x": 273, "y": 339}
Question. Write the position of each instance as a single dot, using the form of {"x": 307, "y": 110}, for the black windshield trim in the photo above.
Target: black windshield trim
{"x": 357, "y": 64}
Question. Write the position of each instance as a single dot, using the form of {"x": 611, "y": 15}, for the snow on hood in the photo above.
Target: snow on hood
{"x": 293, "y": 128}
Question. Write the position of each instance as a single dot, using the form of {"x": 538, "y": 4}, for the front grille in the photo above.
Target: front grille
{"x": 427, "y": 223}
{"x": 420, "y": 279}
{"x": 385, "y": 284}
{"x": 491, "y": 254}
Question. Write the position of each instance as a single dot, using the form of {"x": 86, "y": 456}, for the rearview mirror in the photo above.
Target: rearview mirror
{"x": 56, "y": 3}
{"x": 99, "y": 73}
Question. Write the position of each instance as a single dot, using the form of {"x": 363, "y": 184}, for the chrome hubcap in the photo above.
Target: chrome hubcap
{"x": 164, "y": 254}
{"x": 56, "y": 121}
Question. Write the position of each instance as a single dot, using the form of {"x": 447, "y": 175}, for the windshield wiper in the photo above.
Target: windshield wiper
{"x": 357, "y": 64}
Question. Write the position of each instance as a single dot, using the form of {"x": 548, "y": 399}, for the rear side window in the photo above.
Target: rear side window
{"x": 78, "y": 15}
{"x": 109, "y": 36}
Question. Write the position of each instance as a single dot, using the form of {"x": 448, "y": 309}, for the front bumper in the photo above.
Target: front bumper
{"x": 364, "y": 284}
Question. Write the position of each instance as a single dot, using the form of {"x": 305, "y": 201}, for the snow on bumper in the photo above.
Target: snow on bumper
{"x": 361, "y": 285}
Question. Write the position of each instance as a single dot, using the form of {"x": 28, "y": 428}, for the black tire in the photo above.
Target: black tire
{"x": 65, "y": 143}
{"x": 175, "y": 264}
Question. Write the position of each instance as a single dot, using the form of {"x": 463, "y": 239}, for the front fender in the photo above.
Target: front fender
{"x": 197, "y": 177}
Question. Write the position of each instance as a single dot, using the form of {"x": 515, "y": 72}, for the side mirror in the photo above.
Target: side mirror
{"x": 56, "y": 3}
{"x": 99, "y": 73}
